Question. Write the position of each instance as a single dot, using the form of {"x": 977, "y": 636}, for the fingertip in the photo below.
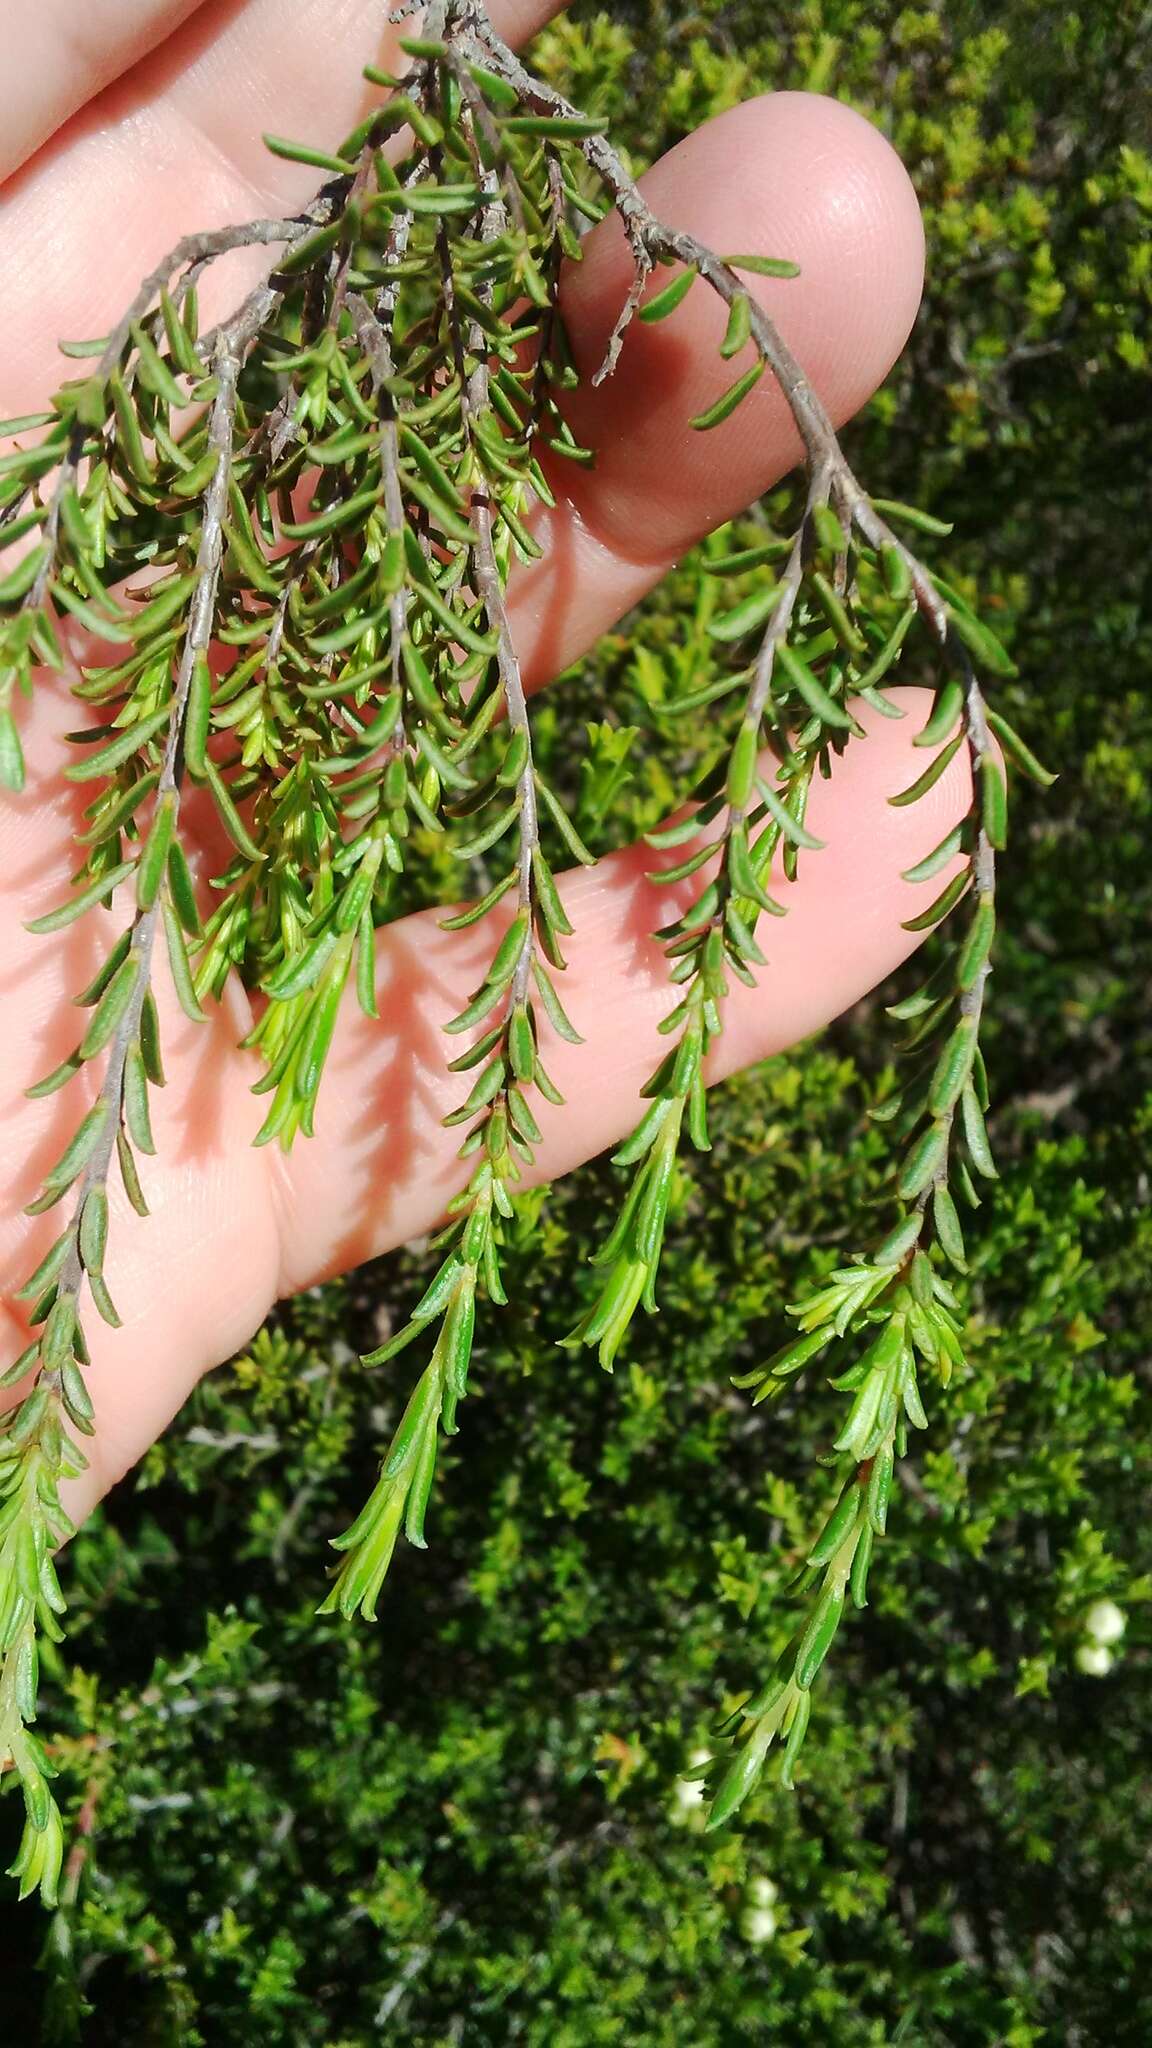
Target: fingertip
{"x": 794, "y": 175}
{"x": 853, "y": 210}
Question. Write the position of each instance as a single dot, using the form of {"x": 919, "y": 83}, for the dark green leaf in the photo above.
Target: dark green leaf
{"x": 1017, "y": 751}
{"x": 947, "y": 900}
{"x": 932, "y": 773}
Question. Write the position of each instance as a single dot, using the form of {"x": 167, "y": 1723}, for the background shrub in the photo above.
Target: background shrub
{"x": 463, "y": 1825}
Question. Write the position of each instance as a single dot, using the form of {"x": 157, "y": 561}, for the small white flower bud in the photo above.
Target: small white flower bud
{"x": 1105, "y": 1622}
{"x": 758, "y": 1925}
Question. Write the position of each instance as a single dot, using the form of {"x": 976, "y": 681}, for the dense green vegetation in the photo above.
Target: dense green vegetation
{"x": 463, "y": 1825}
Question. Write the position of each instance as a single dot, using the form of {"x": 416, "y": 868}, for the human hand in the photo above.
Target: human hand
{"x": 171, "y": 144}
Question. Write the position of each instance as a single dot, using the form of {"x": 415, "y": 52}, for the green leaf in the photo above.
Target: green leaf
{"x": 154, "y": 859}
{"x": 480, "y": 842}
{"x": 474, "y": 1012}
{"x": 459, "y": 1327}
{"x": 796, "y": 833}
{"x": 978, "y": 943}
{"x": 976, "y": 1135}
{"x": 994, "y": 803}
{"x": 737, "y": 1782}
{"x": 521, "y": 1044}
{"x": 553, "y": 127}
{"x": 880, "y": 1488}
{"x": 939, "y": 857}
{"x": 150, "y": 1040}
{"x": 182, "y": 890}
{"x": 155, "y": 374}
{"x": 136, "y": 1111}
{"x": 746, "y": 558}
{"x": 181, "y": 341}
{"x": 896, "y": 571}
{"x": 1017, "y": 751}
{"x": 553, "y": 1007}
{"x": 179, "y": 963}
{"x": 727, "y": 403}
{"x": 302, "y": 970}
{"x": 128, "y": 432}
{"x": 742, "y": 767}
{"x": 836, "y": 613}
{"x": 46, "y": 1272}
{"x": 419, "y": 1489}
{"x": 508, "y": 952}
{"x": 502, "y": 94}
{"x": 11, "y": 753}
{"x": 953, "y": 1067}
{"x": 83, "y": 349}
{"x": 304, "y": 153}
{"x": 166, "y": 600}
{"x": 26, "y": 423}
{"x": 198, "y": 719}
{"x": 923, "y": 1162}
{"x": 564, "y": 825}
{"x": 343, "y": 512}
{"x": 229, "y": 816}
{"x": 192, "y": 483}
{"x": 745, "y": 617}
{"x": 549, "y": 902}
{"x": 829, "y": 532}
{"x": 458, "y": 627}
{"x": 76, "y": 1155}
{"x": 931, "y": 775}
{"x": 899, "y": 1242}
{"x": 132, "y": 740}
{"x": 366, "y": 966}
{"x": 910, "y": 515}
{"x": 819, "y": 1635}
{"x": 19, "y": 580}
{"x": 811, "y": 689}
{"x": 837, "y": 1527}
{"x": 129, "y": 1175}
{"x": 858, "y": 1577}
{"x": 94, "y": 1230}
{"x": 111, "y": 1008}
{"x": 666, "y": 301}
{"x": 739, "y": 329}
{"x": 97, "y": 892}
{"x": 764, "y": 266}
{"x": 947, "y": 1225}
{"x": 947, "y": 900}
{"x": 473, "y": 912}
{"x": 982, "y": 643}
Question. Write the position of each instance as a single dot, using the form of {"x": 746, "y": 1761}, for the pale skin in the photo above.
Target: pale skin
{"x": 130, "y": 122}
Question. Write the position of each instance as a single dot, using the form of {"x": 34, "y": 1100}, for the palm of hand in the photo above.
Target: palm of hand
{"x": 174, "y": 146}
